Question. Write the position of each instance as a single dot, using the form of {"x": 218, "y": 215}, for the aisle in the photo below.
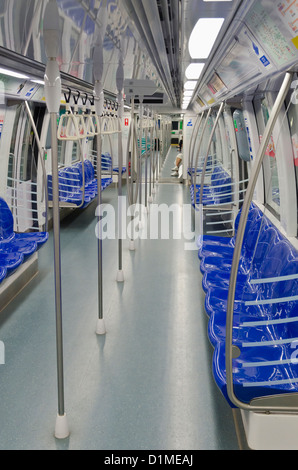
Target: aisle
{"x": 147, "y": 384}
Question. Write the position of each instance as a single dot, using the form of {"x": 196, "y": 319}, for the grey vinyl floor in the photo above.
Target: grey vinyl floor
{"x": 145, "y": 385}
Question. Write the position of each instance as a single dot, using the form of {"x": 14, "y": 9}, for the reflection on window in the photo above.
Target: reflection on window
{"x": 21, "y": 144}
{"x": 293, "y": 122}
{"x": 75, "y": 156}
{"x": 272, "y": 183}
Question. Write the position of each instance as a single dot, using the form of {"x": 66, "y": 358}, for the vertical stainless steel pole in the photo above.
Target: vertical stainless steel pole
{"x": 100, "y": 329}
{"x": 197, "y": 156}
{"x": 57, "y": 265}
{"x": 120, "y": 275}
{"x": 150, "y": 161}
{"x": 208, "y": 149}
{"x": 146, "y": 164}
{"x": 192, "y": 144}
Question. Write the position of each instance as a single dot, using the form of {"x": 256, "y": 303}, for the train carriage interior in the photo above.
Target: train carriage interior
{"x": 149, "y": 225}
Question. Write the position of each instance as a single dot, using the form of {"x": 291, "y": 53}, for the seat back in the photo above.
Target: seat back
{"x": 6, "y": 220}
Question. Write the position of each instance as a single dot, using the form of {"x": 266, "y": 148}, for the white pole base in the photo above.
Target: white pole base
{"x": 120, "y": 276}
{"x": 150, "y": 199}
{"x": 100, "y": 327}
{"x": 132, "y": 246}
{"x": 61, "y": 427}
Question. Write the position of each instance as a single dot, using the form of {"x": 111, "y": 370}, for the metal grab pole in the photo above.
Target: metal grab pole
{"x": 208, "y": 149}
{"x": 57, "y": 267}
{"x": 100, "y": 328}
{"x": 197, "y": 156}
{"x": 146, "y": 163}
{"x": 141, "y": 112}
{"x": 120, "y": 165}
{"x": 150, "y": 199}
{"x": 52, "y": 80}
{"x": 132, "y": 198}
{"x": 236, "y": 259}
{"x": 192, "y": 144}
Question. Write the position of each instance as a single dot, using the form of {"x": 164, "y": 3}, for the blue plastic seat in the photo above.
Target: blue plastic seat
{"x": 25, "y": 246}
{"x": 207, "y": 243}
{"x": 211, "y": 264}
{"x": 75, "y": 182}
{"x": 71, "y": 184}
{"x": 40, "y": 238}
{"x": 270, "y": 260}
{"x": 3, "y": 273}
{"x": 116, "y": 170}
{"x": 265, "y": 314}
{"x": 105, "y": 182}
{"x": 218, "y": 192}
{"x": 11, "y": 261}
{"x": 11, "y": 242}
{"x": 278, "y": 325}
{"x": 251, "y": 380}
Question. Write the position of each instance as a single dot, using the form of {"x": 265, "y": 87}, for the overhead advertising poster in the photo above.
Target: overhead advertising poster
{"x": 288, "y": 11}
{"x": 207, "y": 95}
{"x": 295, "y": 148}
{"x": 17, "y": 87}
{"x": 240, "y": 64}
{"x": 272, "y": 31}
{"x": 216, "y": 85}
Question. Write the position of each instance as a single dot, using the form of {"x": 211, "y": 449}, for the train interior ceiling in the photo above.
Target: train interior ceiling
{"x": 98, "y": 98}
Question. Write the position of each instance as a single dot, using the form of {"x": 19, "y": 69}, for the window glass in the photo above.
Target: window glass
{"x": 272, "y": 196}
{"x": 293, "y": 124}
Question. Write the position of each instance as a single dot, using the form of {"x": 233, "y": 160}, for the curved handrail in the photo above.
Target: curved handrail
{"x": 41, "y": 159}
{"x": 132, "y": 135}
{"x": 207, "y": 153}
{"x": 198, "y": 152}
{"x": 89, "y": 124}
{"x": 192, "y": 144}
{"x": 236, "y": 259}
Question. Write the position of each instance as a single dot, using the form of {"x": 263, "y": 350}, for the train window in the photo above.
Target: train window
{"x": 75, "y": 156}
{"x": 271, "y": 177}
{"x": 22, "y": 145}
{"x": 293, "y": 124}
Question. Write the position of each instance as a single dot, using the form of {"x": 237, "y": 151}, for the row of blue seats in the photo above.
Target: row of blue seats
{"x": 218, "y": 192}
{"x": 15, "y": 248}
{"x": 265, "y": 310}
{"x": 209, "y": 166}
{"x": 71, "y": 183}
{"x": 106, "y": 164}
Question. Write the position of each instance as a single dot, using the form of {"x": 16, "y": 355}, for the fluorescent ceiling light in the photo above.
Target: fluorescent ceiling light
{"x": 11, "y": 73}
{"x": 203, "y": 37}
{"x": 190, "y": 85}
{"x": 194, "y": 71}
{"x": 184, "y": 106}
{"x": 217, "y": 0}
{"x": 188, "y": 93}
